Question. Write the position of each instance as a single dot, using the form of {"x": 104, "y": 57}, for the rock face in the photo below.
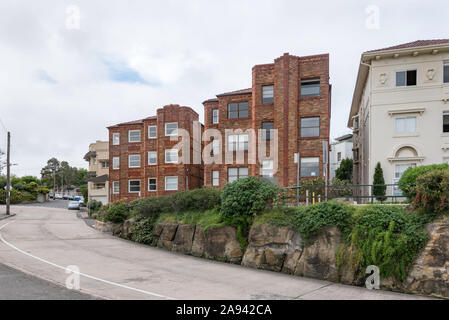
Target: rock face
{"x": 216, "y": 243}
{"x": 222, "y": 244}
{"x": 270, "y": 247}
{"x": 126, "y": 232}
{"x": 101, "y": 226}
{"x": 430, "y": 273}
{"x": 318, "y": 259}
{"x": 183, "y": 239}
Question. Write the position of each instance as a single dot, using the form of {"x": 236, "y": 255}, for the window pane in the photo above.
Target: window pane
{"x": 267, "y": 94}
{"x": 171, "y": 183}
{"x": 215, "y": 116}
{"x": 134, "y": 160}
{"x": 152, "y": 132}
{"x": 267, "y": 127}
{"x": 243, "y": 109}
{"x": 152, "y": 184}
{"x": 310, "y": 167}
{"x": 134, "y": 136}
{"x": 171, "y": 129}
{"x": 116, "y": 139}
{"x": 171, "y": 156}
{"x": 400, "y": 79}
{"x": 310, "y": 127}
{"x": 411, "y": 77}
{"x": 115, "y": 162}
{"x": 446, "y": 72}
{"x": 243, "y": 172}
{"x": 446, "y": 122}
{"x": 152, "y": 157}
{"x": 134, "y": 186}
{"x": 215, "y": 179}
{"x": 233, "y": 110}
{"x": 310, "y": 87}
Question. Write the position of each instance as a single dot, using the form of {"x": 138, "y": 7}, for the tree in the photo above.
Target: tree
{"x": 379, "y": 189}
{"x": 344, "y": 172}
{"x": 65, "y": 174}
{"x": 53, "y": 167}
{"x": 2, "y": 162}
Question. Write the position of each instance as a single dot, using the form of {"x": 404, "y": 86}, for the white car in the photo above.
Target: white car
{"x": 58, "y": 196}
{"x": 73, "y": 205}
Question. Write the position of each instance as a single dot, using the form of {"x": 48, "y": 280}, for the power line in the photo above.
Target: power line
{"x": 3, "y": 125}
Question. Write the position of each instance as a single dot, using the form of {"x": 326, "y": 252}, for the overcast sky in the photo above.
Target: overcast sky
{"x": 63, "y": 79}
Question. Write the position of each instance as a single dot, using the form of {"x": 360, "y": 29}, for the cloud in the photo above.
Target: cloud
{"x": 62, "y": 87}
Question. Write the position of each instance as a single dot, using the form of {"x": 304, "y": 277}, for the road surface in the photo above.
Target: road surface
{"x": 45, "y": 241}
{"x": 16, "y": 285}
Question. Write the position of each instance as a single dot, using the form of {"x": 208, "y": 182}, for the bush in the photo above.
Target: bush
{"x": 247, "y": 197}
{"x": 93, "y": 206}
{"x": 344, "y": 171}
{"x": 151, "y": 206}
{"x": 142, "y": 230}
{"x": 379, "y": 189}
{"x": 411, "y": 174}
{"x": 387, "y": 236}
{"x": 432, "y": 193}
{"x": 309, "y": 220}
{"x": 117, "y": 212}
{"x": 196, "y": 200}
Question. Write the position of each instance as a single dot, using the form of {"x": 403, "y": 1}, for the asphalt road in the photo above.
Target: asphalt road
{"x": 16, "y": 285}
{"x": 45, "y": 241}
{"x": 62, "y": 204}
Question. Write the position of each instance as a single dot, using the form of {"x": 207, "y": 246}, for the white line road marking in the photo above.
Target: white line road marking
{"x": 80, "y": 273}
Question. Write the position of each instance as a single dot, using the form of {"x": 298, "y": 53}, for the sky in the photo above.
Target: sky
{"x": 69, "y": 69}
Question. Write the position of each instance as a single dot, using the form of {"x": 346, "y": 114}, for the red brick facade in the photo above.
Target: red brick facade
{"x": 285, "y": 112}
{"x": 189, "y": 176}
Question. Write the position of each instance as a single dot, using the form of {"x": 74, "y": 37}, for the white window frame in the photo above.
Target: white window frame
{"x": 129, "y": 186}
{"x": 405, "y": 132}
{"x": 174, "y": 151}
{"x": 115, "y": 184}
{"x": 307, "y": 160}
{"x": 239, "y": 175}
{"x": 149, "y": 132}
{"x": 114, "y": 166}
{"x": 267, "y": 168}
{"x": 215, "y": 147}
{"x": 148, "y": 181}
{"x": 129, "y": 136}
{"x": 171, "y": 134}
{"x": 177, "y": 183}
{"x": 116, "y": 139}
{"x": 129, "y": 160}
{"x": 236, "y": 142}
{"x": 215, "y": 178}
{"x": 149, "y": 157}
{"x": 215, "y": 116}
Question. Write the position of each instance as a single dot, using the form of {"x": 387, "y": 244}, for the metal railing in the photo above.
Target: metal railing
{"x": 360, "y": 193}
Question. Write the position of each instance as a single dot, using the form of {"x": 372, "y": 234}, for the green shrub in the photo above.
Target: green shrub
{"x": 344, "y": 171}
{"x": 197, "y": 200}
{"x": 151, "y": 206}
{"x": 93, "y": 206}
{"x": 411, "y": 174}
{"x": 117, "y": 212}
{"x": 432, "y": 193}
{"x": 247, "y": 197}
{"x": 142, "y": 230}
{"x": 379, "y": 189}
{"x": 16, "y": 196}
{"x": 309, "y": 220}
{"x": 27, "y": 196}
{"x": 389, "y": 237}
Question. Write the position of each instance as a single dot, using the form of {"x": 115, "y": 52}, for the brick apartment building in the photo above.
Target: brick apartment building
{"x": 291, "y": 95}
{"x": 143, "y": 161}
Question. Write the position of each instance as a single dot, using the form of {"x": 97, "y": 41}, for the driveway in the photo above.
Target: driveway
{"x": 45, "y": 241}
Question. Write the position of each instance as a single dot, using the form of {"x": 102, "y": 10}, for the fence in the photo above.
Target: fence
{"x": 360, "y": 193}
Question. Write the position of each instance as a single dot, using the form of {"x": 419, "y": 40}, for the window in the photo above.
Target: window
{"x": 398, "y": 171}
{"x": 152, "y": 184}
{"x": 338, "y": 156}
{"x": 406, "y": 78}
{"x": 115, "y": 163}
{"x": 310, "y": 127}
{"x": 152, "y": 158}
{"x": 171, "y": 129}
{"x": 310, "y": 87}
{"x": 267, "y": 127}
{"x": 133, "y": 186}
{"x": 134, "y": 161}
{"x": 215, "y": 147}
{"x": 268, "y": 94}
{"x": 105, "y": 164}
{"x": 405, "y": 125}
{"x": 134, "y": 136}
{"x": 171, "y": 156}
{"x": 152, "y": 132}
{"x": 237, "y": 173}
{"x": 267, "y": 168}
{"x": 238, "y": 110}
{"x": 171, "y": 183}
{"x": 446, "y": 121}
{"x": 116, "y": 139}
{"x": 94, "y": 160}
{"x": 214, "y": 115}
{"x": 215, "y": 178}
{"x": 310, "y": 167}
{"x": 446, "y": 72}
{"x": 237, "y": 142}
{"x": 115, "y": 187}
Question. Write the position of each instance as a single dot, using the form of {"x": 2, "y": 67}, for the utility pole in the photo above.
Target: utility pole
{"x": 8, "y": 174}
